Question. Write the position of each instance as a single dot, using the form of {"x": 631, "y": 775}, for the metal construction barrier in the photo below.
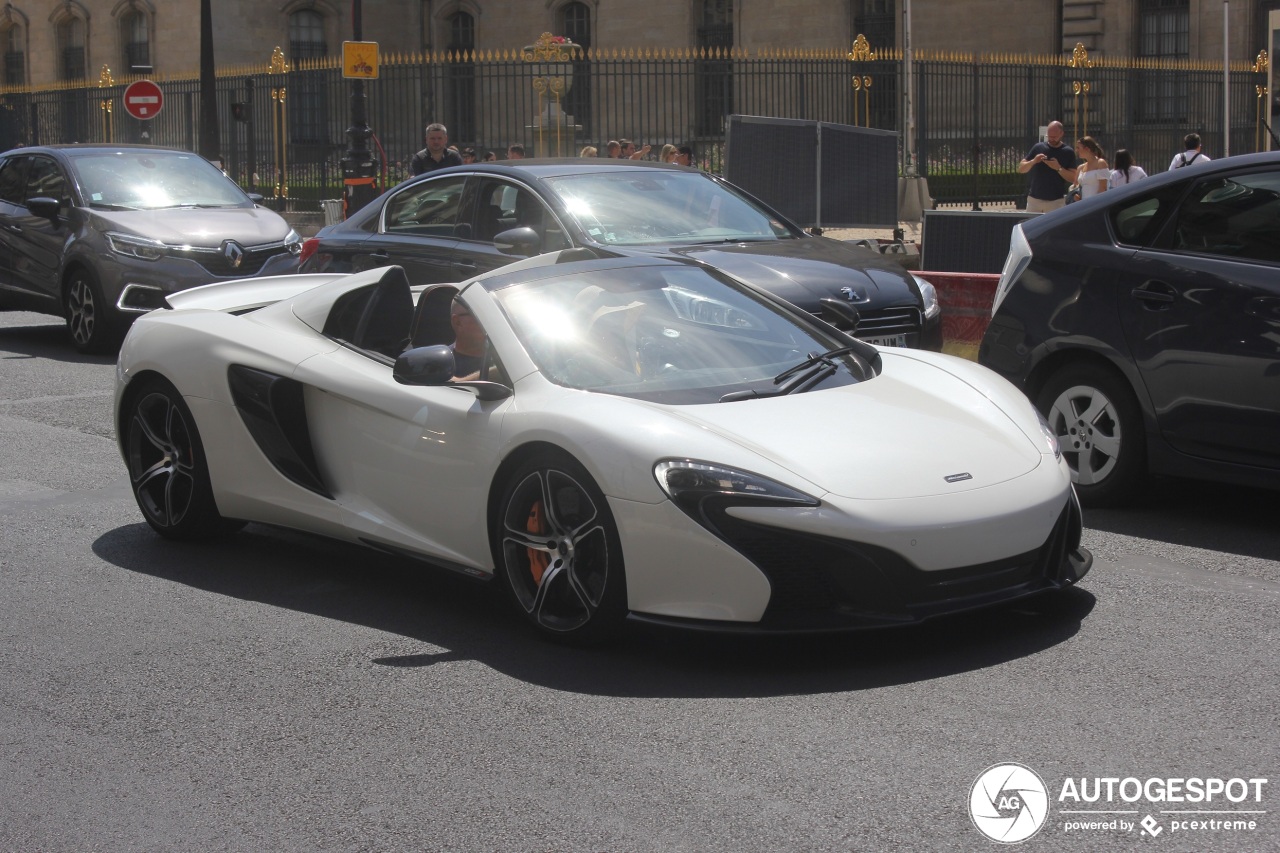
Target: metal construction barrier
{"x": 966, "y": 300}
{"x": 971, "y": 241}
{"x": 332, "y": 208}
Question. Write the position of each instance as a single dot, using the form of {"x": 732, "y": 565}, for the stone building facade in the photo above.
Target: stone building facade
{"x": 47, "y": 41}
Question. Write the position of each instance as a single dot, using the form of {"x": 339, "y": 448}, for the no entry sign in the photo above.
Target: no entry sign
{"x": 143, "y": 99}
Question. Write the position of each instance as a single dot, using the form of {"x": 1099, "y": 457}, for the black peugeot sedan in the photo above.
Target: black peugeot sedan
{"x": 453, "y": 224}
{"x": 1145, "y": 324}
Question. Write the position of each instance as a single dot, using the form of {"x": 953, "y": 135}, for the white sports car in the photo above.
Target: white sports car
{"x": 643, "y": 438}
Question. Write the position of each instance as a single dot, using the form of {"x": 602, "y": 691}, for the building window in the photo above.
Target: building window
{"x": 1164, "y": 32}
{"x": 876, "y": 20}
{"x": 715, "y": 76}
{"x": 15, "y": 57}
{"x": 137, "y": 42}
{"x": 73, "y": 60}
{"x": 308, "y": 111}
{"x": 460, "y": 79}
{"x": 575, "y": 25}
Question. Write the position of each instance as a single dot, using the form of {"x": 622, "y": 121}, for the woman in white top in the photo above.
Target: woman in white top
{"x": 1125, "y": 171}
{"x": 1095, "y": 173}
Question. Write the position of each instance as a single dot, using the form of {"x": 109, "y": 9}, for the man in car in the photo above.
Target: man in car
{"x": 437, "y": 154}
{"x": 468, "y": 342}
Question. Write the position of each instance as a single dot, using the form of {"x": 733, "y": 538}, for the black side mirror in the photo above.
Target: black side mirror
{"x": 522, "y": 242}
{"x": 425, "y": 366}
{"x": 46, "y": 208}
{"x": 256, "y": 198}
{"x": 840, "y": 314}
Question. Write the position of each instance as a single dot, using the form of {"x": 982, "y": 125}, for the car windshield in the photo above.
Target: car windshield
{"x": 670, "y": 334}
{"x": 151, "y": 180}
{"x": 636, "y": 207}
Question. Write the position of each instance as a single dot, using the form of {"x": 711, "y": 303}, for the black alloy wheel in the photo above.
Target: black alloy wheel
{"x": 1098, "y": 424}
{"x": 90, "y": 321}
{"x": 167, "y": 466}
{"x": 557, "y": 551}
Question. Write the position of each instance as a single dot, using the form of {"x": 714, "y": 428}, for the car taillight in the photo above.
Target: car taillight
{"x": 309, "y": 247}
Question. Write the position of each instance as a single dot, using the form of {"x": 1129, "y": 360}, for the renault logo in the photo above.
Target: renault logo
{"x": 232, "y": 251}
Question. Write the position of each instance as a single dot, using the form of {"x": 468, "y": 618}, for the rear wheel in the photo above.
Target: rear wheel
{"x": 1099, "y": 426}
{"x": 167, "y": 467}
{"x": 557, "y": 551}
{"x": 91, "y": 322}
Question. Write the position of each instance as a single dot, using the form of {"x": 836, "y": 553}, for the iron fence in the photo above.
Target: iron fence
{"x": 283, "y": 127}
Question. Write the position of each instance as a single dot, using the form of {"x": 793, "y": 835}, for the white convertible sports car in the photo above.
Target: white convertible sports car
{"x": 644, "y": 438}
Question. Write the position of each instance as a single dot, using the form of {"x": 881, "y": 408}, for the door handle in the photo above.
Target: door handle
{"x": 1155, "y": 294}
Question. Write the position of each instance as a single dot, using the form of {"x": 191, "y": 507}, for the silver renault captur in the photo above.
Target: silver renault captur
{"x": 99, "y": 233}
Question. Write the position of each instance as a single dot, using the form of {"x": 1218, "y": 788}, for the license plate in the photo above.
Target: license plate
{"x": 888, "y": 341}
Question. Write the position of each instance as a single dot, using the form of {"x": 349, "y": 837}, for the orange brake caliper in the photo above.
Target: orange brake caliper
{"x": 538, "y": 560}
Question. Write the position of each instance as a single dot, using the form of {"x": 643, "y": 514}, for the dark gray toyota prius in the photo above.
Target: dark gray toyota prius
{"x": 99, "y": 233}
{"x": 453, "y": 224}
{"x": 1145, "y": 324}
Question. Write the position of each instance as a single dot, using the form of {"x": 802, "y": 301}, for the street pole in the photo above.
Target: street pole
{"x": 359, "y": 172}
{"x": 1226, "y": 83}
{"x": 209, "y": 136}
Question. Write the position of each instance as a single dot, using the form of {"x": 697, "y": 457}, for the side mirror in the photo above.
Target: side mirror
{"x": 425, "y": 366}
{"x": 256, "y": 198}
{"x": 46, "y": 208}
{"x": 840, "y": 314}
{"x": 522, "y": 242}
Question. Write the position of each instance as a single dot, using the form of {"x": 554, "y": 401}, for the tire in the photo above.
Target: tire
{"x": 1099, "y": 426}
{"x": 167, "y": 468}
{"x": 557, "y": 551}
{"x": 92, "y": 324}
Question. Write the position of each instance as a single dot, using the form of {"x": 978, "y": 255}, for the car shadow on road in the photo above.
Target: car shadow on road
{"x": 1194, "y": 514}
{"x": 468, "y": 620}
{"x": 44, "y": 340}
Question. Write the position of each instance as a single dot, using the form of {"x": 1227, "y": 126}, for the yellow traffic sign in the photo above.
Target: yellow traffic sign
{"x": 360, "y": 59}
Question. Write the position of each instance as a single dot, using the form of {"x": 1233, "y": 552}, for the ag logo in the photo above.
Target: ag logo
{"x": 1008, "y": 803}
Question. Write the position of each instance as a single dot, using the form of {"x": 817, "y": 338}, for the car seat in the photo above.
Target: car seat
{"x": 431, "y": 323}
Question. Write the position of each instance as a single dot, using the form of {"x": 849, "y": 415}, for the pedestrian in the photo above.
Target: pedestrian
{"x": 613, "y": 148}
{"x": 1126, "y": 171}
{"x": 631, "y": 152}
{"x": 668, "y": 154}
{"x": 437, "y": 154}
{"x": 468, "y": 155}
{"x": 588, "y": 151}
{"x": 1052, "y": 168}
{"x": 491, "y": 156}
{"x": 1191, "y": 155}
{"x": 1093, "y": 174}
{"x": 684, "y": 155}
{"x": 515, "y": 151}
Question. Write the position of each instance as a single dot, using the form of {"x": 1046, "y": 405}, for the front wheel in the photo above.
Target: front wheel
{"x": 557, "y": 551}
{"x": 167, "y": 467}
{"x": 91, "y": 322}
{"x": 1098, "y": 424}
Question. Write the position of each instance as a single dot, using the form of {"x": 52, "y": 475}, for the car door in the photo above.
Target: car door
{"x": 38, "y": 242}
{"x": 500, "y": 205}
{"x": 410, "y": 465}
{"x": 13, "y": 192}
{"x": 1201, "y": 314}
{"x": 418, "y": 231}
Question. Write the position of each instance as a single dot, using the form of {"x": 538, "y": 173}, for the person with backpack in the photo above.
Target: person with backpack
{"x": 1192, "y": 156}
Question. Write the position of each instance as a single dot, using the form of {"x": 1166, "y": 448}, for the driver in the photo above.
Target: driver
{"x": 468, "y": 342}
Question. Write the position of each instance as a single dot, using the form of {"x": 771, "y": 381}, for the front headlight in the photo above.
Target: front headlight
{"x": 1050, "y": 437}
{"x": 1015, "y": 264}
{"x": 293, "y": 242}
{"x": 929, "y": 294}
{"x": 696, "y": 487}
{"x": 136, "y": 247}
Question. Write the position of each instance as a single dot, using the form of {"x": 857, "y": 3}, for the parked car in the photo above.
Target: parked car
{"x": 1145, "y": 323}
{"x": 452, "y": 224}
{"x": 99, "y": 233}
{"x": 644, "y": 436}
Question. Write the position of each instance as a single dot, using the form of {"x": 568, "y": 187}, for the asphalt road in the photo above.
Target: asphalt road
{"x": 273, "y": 691}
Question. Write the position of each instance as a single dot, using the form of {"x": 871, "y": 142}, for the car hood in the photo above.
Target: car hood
{"x": 805, "y": 270}
{"x": 205, "y": 228}
{"x": 913, "y": 431}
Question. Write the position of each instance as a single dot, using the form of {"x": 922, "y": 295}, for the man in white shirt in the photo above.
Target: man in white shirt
{"x": 1192, "y": 156}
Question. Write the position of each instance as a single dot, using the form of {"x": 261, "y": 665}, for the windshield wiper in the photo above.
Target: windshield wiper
{"x": 800, "y": 377}
{"x": 102, "y": 205}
